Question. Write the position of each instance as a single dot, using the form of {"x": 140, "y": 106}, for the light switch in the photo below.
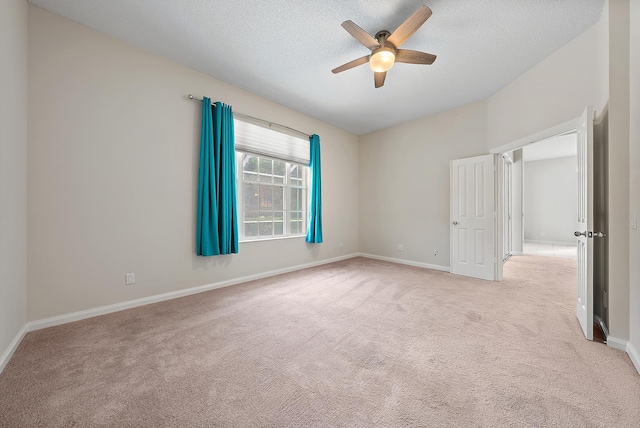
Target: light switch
{"x": 634, "y": 221}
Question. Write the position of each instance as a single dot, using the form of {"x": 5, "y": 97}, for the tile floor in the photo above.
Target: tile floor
{"x": 552, "y": 250}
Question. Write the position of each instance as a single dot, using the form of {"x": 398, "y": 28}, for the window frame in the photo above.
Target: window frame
{"x": 286, "y": 203}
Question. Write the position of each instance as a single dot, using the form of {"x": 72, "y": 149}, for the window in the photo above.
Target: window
{"x": 272, "y": 197}
{"x": 271, "y": 183}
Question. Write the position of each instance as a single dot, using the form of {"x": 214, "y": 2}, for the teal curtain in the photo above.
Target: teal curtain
{"x": 314, "y": 233}
{"x": 217, "y": 211}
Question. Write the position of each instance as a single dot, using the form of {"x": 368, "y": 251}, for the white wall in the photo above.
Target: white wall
{"x": 113, "y": 146}
{"x": 618, "y": 158}
{"x": 550, "y": 200}
{"x": 554, "y": 91}
{"x": 404, "y": 183}
{"x": 13, "y": 172}
{"x": 634, "y": 176}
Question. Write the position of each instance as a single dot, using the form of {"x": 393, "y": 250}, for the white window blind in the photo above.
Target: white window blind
{"x": 256, "y": 139}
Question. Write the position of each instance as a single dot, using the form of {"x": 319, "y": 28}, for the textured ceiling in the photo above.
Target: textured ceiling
{"x": 284, "y": 49}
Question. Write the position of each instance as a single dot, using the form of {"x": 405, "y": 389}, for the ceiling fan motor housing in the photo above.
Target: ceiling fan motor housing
{"x": 382, "y": 36}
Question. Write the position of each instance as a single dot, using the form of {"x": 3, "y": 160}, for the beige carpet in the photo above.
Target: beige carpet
{"x": 358, "y": 343}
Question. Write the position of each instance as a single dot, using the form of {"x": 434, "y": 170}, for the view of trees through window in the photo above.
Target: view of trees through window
{"x": 272, "y": 197}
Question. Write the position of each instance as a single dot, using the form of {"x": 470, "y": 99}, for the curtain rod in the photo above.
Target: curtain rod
{"x": 246, "y": 116}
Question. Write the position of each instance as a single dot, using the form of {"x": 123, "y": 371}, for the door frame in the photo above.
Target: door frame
{"x": 507, "y": 197}
{"x": 563, "y": 128}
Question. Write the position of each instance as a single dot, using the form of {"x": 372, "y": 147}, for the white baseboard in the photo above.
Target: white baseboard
{"x": 634, "y": 355}
{"x": 517, "y": 253}
{"x": 405, "y": 262}
{"x": 8, "y": 353}
{"x": 626, "y": 346}
{"x": 616, "y": 343}
{"x": 102, "y": 310}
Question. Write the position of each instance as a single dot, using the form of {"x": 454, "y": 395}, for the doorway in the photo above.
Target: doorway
{"x": 549, "y": 196}
{"x": 587, "y": 198}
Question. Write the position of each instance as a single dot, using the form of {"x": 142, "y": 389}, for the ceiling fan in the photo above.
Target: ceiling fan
{"x": 384, "y": 47}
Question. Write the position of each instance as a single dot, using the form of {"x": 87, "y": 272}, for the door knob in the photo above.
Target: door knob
{"x": 455, "y": 223}
{"x": 590, "y": 234}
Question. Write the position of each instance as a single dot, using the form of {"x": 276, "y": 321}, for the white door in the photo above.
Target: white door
{"x": 584, "y": 308}
{"x": 473, "y": 217}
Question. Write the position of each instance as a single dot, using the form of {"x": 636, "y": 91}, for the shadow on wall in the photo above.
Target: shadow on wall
{"x": 600, "y": 216}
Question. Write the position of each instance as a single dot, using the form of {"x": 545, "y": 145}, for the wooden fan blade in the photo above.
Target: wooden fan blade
{"x": 414, "y": 57}
{"x": 410, "y": 26}
{"x": 351, "y": 64}
{"x": 378, "y": 78}
{"x": 360, "y": 35}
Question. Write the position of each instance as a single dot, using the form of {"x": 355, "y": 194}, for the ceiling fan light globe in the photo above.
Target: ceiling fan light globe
{"x": 382, "y": 60}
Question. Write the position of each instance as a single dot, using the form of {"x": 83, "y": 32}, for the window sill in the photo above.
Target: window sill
{"x": 271, "y": 238}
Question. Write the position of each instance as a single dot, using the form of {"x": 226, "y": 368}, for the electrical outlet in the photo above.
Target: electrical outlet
{"x": 340, "y": 245}
{"x": 435, "y": 251}
{"x": 130, "y": 278}
{"x": 400, "y": 247}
